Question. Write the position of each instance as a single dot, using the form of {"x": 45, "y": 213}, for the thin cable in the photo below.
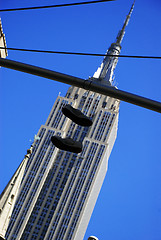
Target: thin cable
{"x": 79, "y": 53}
{"x": 54, "y": 6}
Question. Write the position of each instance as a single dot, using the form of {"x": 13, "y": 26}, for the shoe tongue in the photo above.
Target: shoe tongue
{"x": 69, "y": 140}
{"x": 77, "y": 111}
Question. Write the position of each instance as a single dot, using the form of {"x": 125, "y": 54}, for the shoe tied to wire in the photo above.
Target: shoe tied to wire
{"x": 76, "y": 116}
{"x": 67, "y": 144}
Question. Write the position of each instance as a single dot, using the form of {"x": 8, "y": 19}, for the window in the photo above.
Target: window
{"x": 76, "y": 96}
{"x": 104, "y": 104}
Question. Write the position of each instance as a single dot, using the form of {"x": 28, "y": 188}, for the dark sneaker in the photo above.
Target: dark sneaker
{"x": 67, "y": 144}
{"x": 76, "y": 116}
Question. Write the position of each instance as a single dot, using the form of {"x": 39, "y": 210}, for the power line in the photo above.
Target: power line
{"x": 54, "y": 6}
{"x": 80, "y": 53}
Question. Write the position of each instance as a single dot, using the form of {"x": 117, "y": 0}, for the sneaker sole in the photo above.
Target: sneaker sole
{"x": 78, "y": 120}
{"x": 59, "y": 143}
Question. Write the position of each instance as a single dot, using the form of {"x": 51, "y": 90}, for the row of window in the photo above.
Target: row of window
{"x": 109, "y": 127}
{"x": 53, "y": 112}
{"x": 62, "y": 186}
{"x": 68, "y": 190}
{"x": 86, "y": 190}
{"x": 41, "y": 199}
{"x": 94, "y": 106}
{"x": 63, "y": 183}
{"x": 77, "y": 191}
{"x": 55, "y": 191}
{"x": 102, "y": 125}
{"x": 88, "y": 104}
{"x": 28, "y": 184}
{"x": 58, "y": 117}
{"x": 36, "y": 145}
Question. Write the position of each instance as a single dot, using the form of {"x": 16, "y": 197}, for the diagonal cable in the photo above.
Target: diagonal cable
{"x": 54, "y": 6}
{"x": 80, "y": 53}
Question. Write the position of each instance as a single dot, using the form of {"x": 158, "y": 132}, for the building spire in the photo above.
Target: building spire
{"x": 106, "y": 70}
{"x": 122, "y": 31}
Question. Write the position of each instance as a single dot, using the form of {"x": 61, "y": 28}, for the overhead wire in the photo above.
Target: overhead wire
{"x": 55, "y": 5}
{"x": 80, "y": 53}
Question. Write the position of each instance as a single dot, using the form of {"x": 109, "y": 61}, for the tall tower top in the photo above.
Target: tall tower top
{"x": 122, "y": 31}
{"x": 106, "y": 70}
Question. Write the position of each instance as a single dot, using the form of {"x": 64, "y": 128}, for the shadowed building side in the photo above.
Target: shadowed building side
{"x": 3, "y": 52}
{"x": 4, "y": 220}
{"x": 9, "y": 195}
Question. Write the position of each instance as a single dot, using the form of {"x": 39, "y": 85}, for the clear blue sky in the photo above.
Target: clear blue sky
{"x": 129, "y": 205}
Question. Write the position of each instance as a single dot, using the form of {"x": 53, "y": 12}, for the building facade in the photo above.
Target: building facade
{"x": 6, "y": 202}
{"x": 59, "y": 188}
{"x": 3, "y": 50}
{"x": 8, "y": 197}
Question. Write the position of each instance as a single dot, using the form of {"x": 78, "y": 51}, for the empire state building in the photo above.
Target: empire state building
{"x": 59, "y": 188}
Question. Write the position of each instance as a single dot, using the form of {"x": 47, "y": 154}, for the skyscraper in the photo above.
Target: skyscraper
{"x": 3, "y": 52}
{"x": 59, "y": 188}
{"x": 5, "y": 206}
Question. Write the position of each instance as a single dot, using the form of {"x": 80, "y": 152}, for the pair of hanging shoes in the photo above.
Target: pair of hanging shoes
{"x": 68, "y": 144}
{"x": 76, "y": 116}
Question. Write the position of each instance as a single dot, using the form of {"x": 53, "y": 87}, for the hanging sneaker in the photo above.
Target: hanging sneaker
{"x": 76, "y": 116}
{"x": 67, "y": 144}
